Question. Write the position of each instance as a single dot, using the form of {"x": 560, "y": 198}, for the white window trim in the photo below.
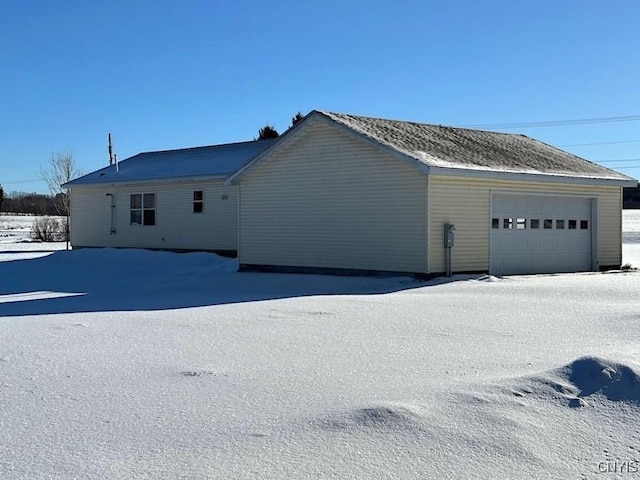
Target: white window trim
{"x": 142, "y": 209}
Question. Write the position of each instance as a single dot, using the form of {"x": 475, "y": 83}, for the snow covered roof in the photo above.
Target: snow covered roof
{"x": 215, "y": 160}
{"x": 439, "y": 146}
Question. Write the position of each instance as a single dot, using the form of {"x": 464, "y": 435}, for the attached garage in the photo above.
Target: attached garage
{"x": 341, "y": 193}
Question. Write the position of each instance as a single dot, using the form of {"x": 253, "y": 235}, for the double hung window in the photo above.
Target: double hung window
{"x": 143, "y": 208}
{"x": 198, "y": 201}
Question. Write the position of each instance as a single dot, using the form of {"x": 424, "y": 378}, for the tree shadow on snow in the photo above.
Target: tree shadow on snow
{"x": 107, "y": 280}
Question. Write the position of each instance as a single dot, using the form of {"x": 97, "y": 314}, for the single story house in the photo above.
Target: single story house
{"x": 342, "y": 193}
{"x": 173, "y": 199}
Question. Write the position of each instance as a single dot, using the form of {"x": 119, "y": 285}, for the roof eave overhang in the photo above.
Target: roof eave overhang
{"x": 421, "y": 165}
{"x": 312, "y": 119}
{"x": 530, "y": 177}
{"x": 115, "y": 183}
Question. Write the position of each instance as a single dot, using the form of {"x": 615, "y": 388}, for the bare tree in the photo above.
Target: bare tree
{"x": 60, "y": 169}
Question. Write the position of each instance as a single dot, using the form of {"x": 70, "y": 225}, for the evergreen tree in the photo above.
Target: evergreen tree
{"x": 298, "y": 116}
{"x": 268, "y": 131}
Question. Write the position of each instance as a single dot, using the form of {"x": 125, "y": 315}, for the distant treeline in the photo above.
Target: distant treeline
{"x": 30, "y": 203}
{"x": 631, "y": 197}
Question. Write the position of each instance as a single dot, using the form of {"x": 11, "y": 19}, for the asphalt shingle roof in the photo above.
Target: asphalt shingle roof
{"x": 216, "y": 160}
{"x": 463, "y": 148}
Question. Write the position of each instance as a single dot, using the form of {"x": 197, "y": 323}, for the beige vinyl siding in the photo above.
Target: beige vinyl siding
{"x": 177, "y": 227}
{"x": 327, "y": 200}
{"x": 610, "y": 227}
{"x": 467, "y": 204}
{"x": 90, "y": 220}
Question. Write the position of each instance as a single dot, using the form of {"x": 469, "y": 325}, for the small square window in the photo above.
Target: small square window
{"x": 584, "y": 224}
{"x": 507, "y": 223}
{"x": 573, "y": 224}
{"x": 548, "y": 224}
{"x": 495, "y": 223}
{"x": 535, "y": 223}
{"x": 560, "y": 224}
{"x": 197, "y": 196}
{"x": 521, "y": 223}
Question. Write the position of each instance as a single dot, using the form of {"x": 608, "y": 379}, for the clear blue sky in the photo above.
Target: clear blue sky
{"x": 161, "y": 75}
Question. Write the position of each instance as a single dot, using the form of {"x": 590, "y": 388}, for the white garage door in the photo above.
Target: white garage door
{"x": 540, "y": 234}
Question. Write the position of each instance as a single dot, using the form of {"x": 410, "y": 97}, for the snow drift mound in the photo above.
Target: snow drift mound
{"x": 615, "y": 381}
{"x": 383, "y": 417}
{"x": 588, "y": 378}
{"x": 487, "y": 279}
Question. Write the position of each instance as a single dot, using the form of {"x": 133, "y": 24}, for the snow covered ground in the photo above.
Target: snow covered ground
{"x": 134, "y": 364}
{"x": 15, "y": 241}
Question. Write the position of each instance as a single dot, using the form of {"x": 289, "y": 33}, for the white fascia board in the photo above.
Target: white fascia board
{"x": 530, "y": 177}
{"x": 202, "y": 178}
